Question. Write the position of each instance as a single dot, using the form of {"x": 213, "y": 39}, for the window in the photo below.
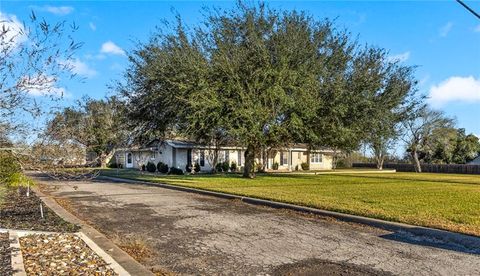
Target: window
{"x": 129, "y": 158}
{"x": 202, "y": 158}
{"x": 227, "y": 156}
{"x": 316, "y": 158}
{"x": 153, "y": 155}
{"x": 299, "y": 155}
{"x": 283, "y": 158}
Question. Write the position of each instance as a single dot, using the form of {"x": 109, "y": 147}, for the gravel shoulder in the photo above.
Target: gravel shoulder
{"x": 61, "y": 254}
{"x": 194, "y": 234}
{"x": 5, "y": 258}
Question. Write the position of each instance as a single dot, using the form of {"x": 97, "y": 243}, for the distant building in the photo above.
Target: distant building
{"x": 475, "y": 161}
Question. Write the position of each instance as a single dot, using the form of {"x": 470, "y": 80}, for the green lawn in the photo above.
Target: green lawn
{"x": 445, "y": 201}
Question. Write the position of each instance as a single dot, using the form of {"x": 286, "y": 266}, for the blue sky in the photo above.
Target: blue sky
{"x": 440, "y": 37}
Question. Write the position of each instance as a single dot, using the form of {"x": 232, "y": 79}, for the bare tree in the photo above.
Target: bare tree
{"x": 95, "y": 125}
{"x": 419, "y": 128}
{"x": 33, "y": 58}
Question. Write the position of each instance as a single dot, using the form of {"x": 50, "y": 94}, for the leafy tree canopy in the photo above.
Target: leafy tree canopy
{"x": 261, "y": 78}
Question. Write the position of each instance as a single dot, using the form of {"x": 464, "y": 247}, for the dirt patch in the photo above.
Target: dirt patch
{"x": 327, "y": 268}
{"x": 135, "y": 246}
{"x": 5, "y": 258}
{"x": 19, "y": 211}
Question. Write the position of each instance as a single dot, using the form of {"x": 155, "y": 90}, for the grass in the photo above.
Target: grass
{"x": 444, "y": 201}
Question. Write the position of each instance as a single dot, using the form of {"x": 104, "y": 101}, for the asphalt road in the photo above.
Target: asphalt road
{"x": 195, "y": 234}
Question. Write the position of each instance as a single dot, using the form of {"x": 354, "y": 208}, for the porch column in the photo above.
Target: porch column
{"x": 290, "y": 160}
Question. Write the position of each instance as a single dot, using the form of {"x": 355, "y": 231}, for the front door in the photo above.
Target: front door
{"x": 129, "y": 160}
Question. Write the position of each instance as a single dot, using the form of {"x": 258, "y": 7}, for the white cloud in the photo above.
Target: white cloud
{"x": 111, "y": 48}
{"x": 95, "y": 57}
{"x": 92, "y": 26}
{"x": 455, "y": 89}
{"x": 445, "y": 29}
{"x": 423, "y": 81}
{"x": 400, "y": 57}
{"x": 14, "y": 34}
{"x": 41, "y": 85}
{"x": 81, "y": 68}
{"x": 53, "y": 91}
{"x": 63, "y": 10}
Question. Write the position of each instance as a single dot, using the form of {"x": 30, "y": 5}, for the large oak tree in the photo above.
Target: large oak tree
{"x": 261, "y": 78}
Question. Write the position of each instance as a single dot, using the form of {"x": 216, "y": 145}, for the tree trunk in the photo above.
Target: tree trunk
{"x": 105, "y": 157}
{"x": 334, "y": 159}
{"x": 380, "y": 161}
{"x": 416, "y": 162}
{"x": 215, "y": 160}
{"x": 248, "y": 170}
{"x": 103, "y": 160}
{"x": 379, "y": 158}
{"x": 266, "y": 153}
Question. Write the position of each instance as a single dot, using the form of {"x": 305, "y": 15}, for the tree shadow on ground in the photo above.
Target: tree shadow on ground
{"x": 437, "y": 239}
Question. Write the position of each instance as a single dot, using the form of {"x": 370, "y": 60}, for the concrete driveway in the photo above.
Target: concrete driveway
{"x": 196, "y": 234}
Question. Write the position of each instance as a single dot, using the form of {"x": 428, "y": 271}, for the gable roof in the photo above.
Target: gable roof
{"x": 475, "y": 161}
{"x": 185, "y": 144}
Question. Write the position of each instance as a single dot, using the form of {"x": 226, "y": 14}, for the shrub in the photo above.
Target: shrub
{"x": 10, "y": 170}
{"x": 225, "y": 166}
{"x": 175, "y": 171}
{"x": 197, "y": 167}
{"x": 219, "y": 167}
{"x": 233, "y": 167}
{"x": 296, "y": 167}
{"x": 162, "y": 167}
{"x": 259, "y": 167}
{"x": 305, "y": 166}
{"x": 151, "y": 167}
{"x": 275, "y": 166}
{"x": 144, "y": 168}
{"x": 112, "y": 165}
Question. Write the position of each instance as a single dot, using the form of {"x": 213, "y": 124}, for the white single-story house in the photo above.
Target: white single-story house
{"x": 177, "y": 153}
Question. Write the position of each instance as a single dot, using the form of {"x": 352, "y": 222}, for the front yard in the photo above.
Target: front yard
{"x": 444, "y": 201}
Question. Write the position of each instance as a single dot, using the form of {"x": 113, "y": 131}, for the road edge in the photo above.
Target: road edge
{"x": 470, "y": 243}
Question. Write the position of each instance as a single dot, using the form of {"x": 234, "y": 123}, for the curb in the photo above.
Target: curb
{"x": 107, "y": 258}
{"x": 130, "y": 265}
{"x": 471, "y": 243}
{"x": 16, "y": 254}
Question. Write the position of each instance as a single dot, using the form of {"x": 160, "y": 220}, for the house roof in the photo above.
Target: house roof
{"x": 475, "y": 161}
{"x": 179, "y": 144}
{"x": 185, "y": 144}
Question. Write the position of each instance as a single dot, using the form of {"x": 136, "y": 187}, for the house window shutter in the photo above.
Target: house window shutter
{"x": 283, "y": 158}
{"x": 202, "y": 158}
{"x": 239, "y": 158}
